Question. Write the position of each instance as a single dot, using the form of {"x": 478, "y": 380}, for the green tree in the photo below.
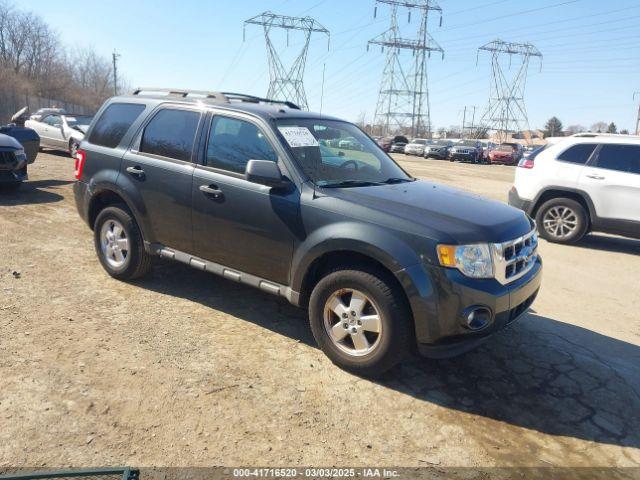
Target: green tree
{"x": 612, "y": 128}
{"x": 553, "y": 128}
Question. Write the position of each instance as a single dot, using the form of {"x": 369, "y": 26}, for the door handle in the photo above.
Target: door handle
{"x": 135, "y": 171}
{"x": 211, "y": 190}
{"x": 595, "y": 176}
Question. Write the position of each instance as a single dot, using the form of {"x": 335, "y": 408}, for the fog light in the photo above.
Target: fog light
{"x": 476, "y": 318}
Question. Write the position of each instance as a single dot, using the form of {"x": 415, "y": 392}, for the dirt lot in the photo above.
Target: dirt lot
{"x": 183, "y": 368}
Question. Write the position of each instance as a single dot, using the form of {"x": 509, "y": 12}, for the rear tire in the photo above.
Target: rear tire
{"x": 351, "y": 340}
{"x": 119, "y": 244}
{"x": 562, "y": 220}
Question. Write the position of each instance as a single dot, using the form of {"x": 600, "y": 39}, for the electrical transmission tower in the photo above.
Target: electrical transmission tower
{"x": 287, "y": 83}
{"x": 403, "y": 100}
{"x": 506, "y": 112}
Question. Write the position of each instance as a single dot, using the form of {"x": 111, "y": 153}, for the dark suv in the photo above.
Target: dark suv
{"x": 260, "y": 192}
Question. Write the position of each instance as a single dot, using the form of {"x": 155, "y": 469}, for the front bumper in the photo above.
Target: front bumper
{"x": 469, "y": 157}
{"x": 520, "y": 203}
{"x": 439, "y": 296}
{"x": 13, "y": 168}
{"x": 436, "y": 154}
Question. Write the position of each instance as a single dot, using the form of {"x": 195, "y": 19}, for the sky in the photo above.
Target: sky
{"x": 589, "y": 71}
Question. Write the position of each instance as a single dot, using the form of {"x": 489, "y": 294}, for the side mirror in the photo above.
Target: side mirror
{"x": 265, "y": 172}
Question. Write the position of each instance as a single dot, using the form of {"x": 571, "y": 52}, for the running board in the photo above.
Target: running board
{"x": 226, "y": 272}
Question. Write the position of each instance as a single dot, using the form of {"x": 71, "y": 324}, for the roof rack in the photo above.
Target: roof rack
{"x": 223, "y": 97}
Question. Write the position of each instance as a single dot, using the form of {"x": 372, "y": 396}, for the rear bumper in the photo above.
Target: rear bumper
{"x": 81, "y": 196}
{"x": 520, "y": 203}
{"x": 440, "y": 297}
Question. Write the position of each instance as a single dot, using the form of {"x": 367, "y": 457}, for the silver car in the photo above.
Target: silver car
{"x": 60, "y": 131}
{"x": 416, "y": 146}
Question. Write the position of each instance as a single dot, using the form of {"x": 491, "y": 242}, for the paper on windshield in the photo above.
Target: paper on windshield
{"x": 298, "y": 137}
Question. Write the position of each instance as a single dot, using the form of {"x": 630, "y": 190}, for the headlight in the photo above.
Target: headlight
{"x": 472, "y": 260}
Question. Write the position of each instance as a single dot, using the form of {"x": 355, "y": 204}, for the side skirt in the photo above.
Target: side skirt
{"x": 226, "y": 272}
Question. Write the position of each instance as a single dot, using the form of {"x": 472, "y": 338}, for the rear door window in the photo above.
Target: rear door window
{"x": 114, "y": 123}
{"x": 171, "y": 134}
{"x": 622, "y": 158}
{"x": 233, "y": 142}
{"x": 578, "y": 153}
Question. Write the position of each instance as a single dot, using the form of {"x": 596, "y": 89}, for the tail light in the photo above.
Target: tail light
{"x": 81, "y": 157}
{"x": 525, "y": 163}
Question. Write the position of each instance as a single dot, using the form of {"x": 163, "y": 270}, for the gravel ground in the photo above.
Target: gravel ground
{"x": 186, "y": 369}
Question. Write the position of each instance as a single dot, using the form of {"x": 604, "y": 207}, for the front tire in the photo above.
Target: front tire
{"x": 119, "y": 244}
{"x": 562, "y": 220}
{"x": 360, "y": 321}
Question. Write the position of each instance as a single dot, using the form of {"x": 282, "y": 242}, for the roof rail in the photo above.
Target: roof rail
{"x": 224, "y": 97}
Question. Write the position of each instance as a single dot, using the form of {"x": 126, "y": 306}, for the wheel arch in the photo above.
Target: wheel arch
{"x": 106, "y": 196}
{"x": 562, "y": 192}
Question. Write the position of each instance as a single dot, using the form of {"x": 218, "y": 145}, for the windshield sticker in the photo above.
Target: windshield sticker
{"x": 298, "y": 137}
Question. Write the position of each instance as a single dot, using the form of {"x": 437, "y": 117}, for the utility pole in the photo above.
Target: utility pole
{"x": 115, "y": 57}
{"x": 506, "y": 112}
{"x": 404, "y": 97}
{"x": 287, "y": 83}
{"x": 638, "y": 117}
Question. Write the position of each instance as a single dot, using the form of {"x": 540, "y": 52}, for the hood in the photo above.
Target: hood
{"x": 9, "y": 142}
{"x": 439, "y": 212}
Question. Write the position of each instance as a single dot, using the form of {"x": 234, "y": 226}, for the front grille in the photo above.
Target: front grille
{"x": 515, "y": 258}
{"x": 7, "y": 158}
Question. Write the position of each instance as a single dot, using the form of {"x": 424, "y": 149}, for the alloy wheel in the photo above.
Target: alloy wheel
{"x": 114, "y": 243}
{"x": 560, "y": 221}
{"x": 353, "y": 322}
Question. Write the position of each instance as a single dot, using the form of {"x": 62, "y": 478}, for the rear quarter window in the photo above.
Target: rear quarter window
{"x": 579, "y": 153}
{"x": 114, "y": 122}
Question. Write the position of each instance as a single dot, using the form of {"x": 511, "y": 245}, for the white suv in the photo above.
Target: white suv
{"x": 587, "y": 182}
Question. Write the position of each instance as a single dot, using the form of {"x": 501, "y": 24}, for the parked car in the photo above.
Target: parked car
{"x": 387, "y": 142}
{"x": 13, "y": 163}
{"x": 350, "y": 143}
{"x": 466, "y": 151}
{"x": 46, "y": 111}
{"x": 506, "y": 154}
{"x": 438, "y": 149}
{"x": 18, "y": 149}
{"x": 397, "y": 147}
{"x": 27, "y": 137}
{"x": 416, "y": 146}
{"x": 581, "y": 184}
{"x": 61, "y": 131}
{"x": 487, "y": 147}
{"x": 240, "y": 187}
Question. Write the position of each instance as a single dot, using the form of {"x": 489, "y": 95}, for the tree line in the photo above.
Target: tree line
{"x": 34, "y": 61}
{"x": 554, "y": 128}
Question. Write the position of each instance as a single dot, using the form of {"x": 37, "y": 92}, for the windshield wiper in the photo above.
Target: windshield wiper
{"x": 351, "y": 183}
{"x": 398, "y": 180}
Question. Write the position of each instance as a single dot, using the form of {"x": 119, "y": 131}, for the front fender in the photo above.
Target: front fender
{"x": 370, "y": 240}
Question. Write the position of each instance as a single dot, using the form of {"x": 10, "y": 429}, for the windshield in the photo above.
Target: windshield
{"x": 83, "y": 120}
{"x": 419, "y": 141}
{"x": 332, "y": 153}
{"x": 536, "y": 151}
{"x": 467, "y": 143}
